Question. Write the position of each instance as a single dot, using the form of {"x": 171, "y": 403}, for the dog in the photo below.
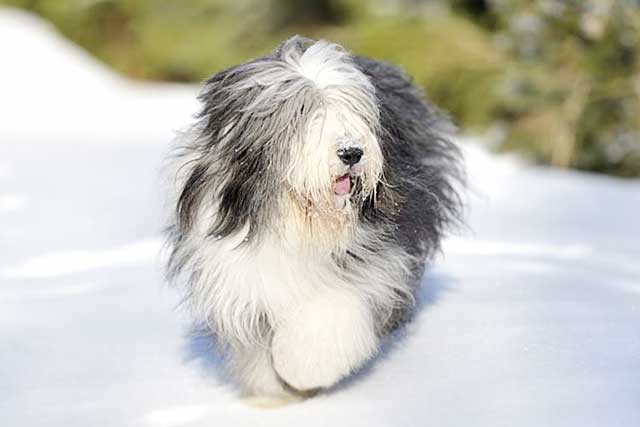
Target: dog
{"x": 310, "y": 192}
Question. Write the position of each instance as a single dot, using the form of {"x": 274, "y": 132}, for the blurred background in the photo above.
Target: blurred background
{"x": 555, "y": 80}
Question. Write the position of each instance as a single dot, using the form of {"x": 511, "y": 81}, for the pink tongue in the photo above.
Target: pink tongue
{"x": 342, "y": 186}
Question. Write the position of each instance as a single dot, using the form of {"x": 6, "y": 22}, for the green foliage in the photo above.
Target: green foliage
{"x": 560, "y": 77}
{"x": 585, "y": 105}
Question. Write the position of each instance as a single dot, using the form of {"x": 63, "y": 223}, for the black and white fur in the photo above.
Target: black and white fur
{"x": 298, "y": 280}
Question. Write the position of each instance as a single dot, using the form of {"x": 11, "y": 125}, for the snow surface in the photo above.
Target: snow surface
{"x": 530, "y": 319}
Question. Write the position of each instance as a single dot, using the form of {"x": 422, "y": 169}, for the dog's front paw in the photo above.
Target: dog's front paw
{"x": 323, "y": 341}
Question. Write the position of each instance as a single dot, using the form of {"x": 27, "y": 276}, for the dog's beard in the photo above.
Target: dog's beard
{"x": 342, "y": 195}
{"x": 325, "y": 221}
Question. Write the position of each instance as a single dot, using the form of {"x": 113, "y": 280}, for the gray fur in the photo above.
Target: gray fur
{"x": 236, "y": 164}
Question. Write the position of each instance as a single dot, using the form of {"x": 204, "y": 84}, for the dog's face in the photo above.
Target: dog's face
{"x": 286, "y": 141}
{"x": 336, "y": 164}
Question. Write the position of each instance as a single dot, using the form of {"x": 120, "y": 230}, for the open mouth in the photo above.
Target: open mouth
{"x": 343, "y": 185}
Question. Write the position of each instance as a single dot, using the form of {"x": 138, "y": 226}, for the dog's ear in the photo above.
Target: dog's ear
{"x": 423, "y": 167}
{"x": 251, "y": 115}
{"x": 234, "y": 170}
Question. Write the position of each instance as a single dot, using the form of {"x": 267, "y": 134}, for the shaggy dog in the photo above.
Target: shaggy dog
{"x": 310, "y": 192}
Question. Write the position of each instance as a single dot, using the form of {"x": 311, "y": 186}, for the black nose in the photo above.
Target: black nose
{"x": 350, "y": 156}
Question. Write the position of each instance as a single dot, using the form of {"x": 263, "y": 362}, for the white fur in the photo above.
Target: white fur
{"x": 324, "y": 339}
{"x": 321, "y": 316}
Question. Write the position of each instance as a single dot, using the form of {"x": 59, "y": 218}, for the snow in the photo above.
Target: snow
{"x": 530, "y": 318}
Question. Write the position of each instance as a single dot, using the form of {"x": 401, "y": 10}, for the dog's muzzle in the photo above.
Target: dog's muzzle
{"x": 350, "y": 152}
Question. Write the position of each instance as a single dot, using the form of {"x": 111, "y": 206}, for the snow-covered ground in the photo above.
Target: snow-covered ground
{"x": 530, "y": 319}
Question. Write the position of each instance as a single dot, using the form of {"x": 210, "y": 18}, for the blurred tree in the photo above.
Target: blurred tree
{"x": 478, "y": 10}
{"x": 579, "y": 61}
{"x": 307, "y": 12}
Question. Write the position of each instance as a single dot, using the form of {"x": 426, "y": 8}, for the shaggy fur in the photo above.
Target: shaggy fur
{"x": 297, "y": 253}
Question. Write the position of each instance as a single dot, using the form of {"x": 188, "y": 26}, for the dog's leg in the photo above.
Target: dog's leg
{"x": 253, "y": 369}
{"x": 261, "y": 386}
{"x": 323, "y": 340}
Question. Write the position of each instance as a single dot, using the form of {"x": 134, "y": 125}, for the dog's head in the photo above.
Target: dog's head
{"x": 286, "y": 143}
